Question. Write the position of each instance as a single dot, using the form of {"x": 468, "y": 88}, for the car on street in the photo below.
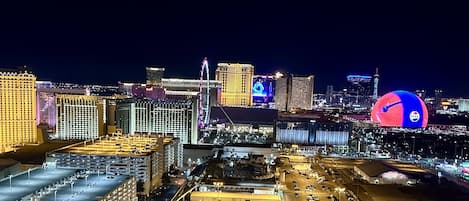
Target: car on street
{"x": 312, "y": 198}
{"x": 310, "y": 187}
{"x": 332, "y": 197}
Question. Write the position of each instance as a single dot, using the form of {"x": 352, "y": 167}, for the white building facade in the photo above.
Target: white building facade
{"x": 177, "y": 117}
{"x": 77, "y": 117}
{"x": 463, "y": 105}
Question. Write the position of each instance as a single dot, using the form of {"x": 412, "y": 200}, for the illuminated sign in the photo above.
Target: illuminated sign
{"x": 414, "y": 116}
{"x": 263, "y": 89}
{"x": 359, "y": 78}
{"x": 400, "y": 109}
{"x": 258, "y": 89}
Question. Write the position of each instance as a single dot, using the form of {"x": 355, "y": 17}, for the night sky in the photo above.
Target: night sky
{"x": 418, "y": 45}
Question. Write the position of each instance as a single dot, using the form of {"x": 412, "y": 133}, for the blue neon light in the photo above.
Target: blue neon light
{"x": 359, "y": 78}
{"x": 258, "y": 89}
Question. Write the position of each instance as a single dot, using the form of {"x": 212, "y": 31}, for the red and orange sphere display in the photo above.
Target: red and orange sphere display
{"x": 400, "y": 109}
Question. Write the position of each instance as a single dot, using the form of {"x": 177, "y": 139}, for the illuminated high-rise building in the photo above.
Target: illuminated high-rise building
{"x": 192, "y": 85}
{"x": 361, "y": 87}
{"x": 79, "y": 117}
{"x": 45, "y": 101}
{"x": 111, "y": 107}
{"x": 329, "y": 93}
{"x": 294, "y": 92}
{"x": 170, "y": 116}
{"x": 154, "y": 76}
{"x": 17, "y": 108}
{"x": 438, "y": 96}
{"x": 236, "y": 82}
{"x": 375, "y": 85}
{"x": 463, "y": 105}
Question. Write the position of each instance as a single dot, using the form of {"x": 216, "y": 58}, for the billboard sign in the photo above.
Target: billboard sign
{"x": 400, "y": 109}
{"x": 263, "y": 89}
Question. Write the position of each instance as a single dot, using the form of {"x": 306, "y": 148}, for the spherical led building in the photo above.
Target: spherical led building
{"x": 400, "y": 109}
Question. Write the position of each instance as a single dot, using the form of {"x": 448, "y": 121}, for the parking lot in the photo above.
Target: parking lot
{"x": 306, "y": 180}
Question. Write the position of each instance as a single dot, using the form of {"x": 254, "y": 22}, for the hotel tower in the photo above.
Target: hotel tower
{"x": 17, "y": 108}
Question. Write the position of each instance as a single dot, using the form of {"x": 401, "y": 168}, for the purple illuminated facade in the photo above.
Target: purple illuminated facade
{"x": 46, "y": 101}
{"x": 46, "y": 110}
{"x": 154, "y": 93}
{"x": 142, "y": 91}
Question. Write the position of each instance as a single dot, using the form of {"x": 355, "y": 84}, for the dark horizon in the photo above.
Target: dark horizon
{"x": 418, "y": 46}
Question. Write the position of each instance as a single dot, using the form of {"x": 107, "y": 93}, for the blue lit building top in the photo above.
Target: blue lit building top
{"x": 93, "y": 188}
{"x": 359, "y": 78}
{"x": 22, "y": 186}
{"x": 56, "y": 184}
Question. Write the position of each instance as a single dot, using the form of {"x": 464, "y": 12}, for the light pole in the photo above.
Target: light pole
{"x": 55, "y": 163}
{"x": 29, "y": 174}
{"x": 339, "y": 192}
{"x": 10, "y": 181}
{"x": 218, "y": 186}
{"x": 128, "y": 167}
{"x": 455, "y": 149}
{"x": 55, "y": 195}
{"x": 462, "y": 153}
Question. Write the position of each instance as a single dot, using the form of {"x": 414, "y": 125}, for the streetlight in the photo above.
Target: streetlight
{"x": 10, "y": 181}
{"x": 107, "y": 166}
{"x": 277, "y": 187}
{"x": 455, "y": 149}
{"x": 29, "y": 174}
{"x": 462, "y": 153}
{"x": 71, "y": 186}
{"x": 218, "y": 185}
{"x": 339, "y": 191}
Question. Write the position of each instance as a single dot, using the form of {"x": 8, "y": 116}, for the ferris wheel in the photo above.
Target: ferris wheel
{"x": 204, "y": 107}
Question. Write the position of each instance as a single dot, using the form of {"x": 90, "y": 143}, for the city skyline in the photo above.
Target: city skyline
{"x": 413, "y": 44}
{"x": 265, "y": 101}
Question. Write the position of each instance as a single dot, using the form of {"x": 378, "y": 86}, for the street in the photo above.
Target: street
{"x": 301, "y": 176}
